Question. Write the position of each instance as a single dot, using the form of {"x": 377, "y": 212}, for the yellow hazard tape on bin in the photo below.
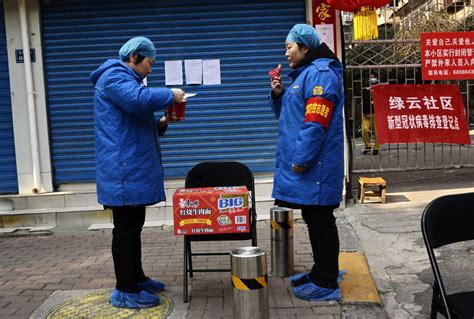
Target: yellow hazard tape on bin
{"x": 250, "y": 284}
{"x": 281, "y": 225}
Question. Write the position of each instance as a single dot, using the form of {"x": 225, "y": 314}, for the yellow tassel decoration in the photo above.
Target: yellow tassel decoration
{"x": 365, "y": 24}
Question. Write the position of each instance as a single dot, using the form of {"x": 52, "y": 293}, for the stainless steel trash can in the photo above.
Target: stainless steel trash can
{"x": 250, "y": 283}
{"x": 282, "y": 251}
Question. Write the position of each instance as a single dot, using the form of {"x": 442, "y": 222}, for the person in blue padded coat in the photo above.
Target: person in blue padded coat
{"x": 128, "y": 161}
{"x": 309, "y": 169}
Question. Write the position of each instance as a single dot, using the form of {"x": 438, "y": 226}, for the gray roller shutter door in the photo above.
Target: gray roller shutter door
{"x": 224, "y": 122}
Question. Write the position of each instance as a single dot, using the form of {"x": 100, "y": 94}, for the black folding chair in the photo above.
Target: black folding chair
{"x": 446, "y": 220}
{"x": 213, "y": 174}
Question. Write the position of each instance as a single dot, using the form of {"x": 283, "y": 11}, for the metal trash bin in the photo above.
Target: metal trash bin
{"x": 249, "y": 282}
{"x": 282, "y": 251}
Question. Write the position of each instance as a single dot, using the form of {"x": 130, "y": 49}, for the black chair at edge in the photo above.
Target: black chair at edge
{"x": 447, "y": 220}
{"x": 213, "y": 174}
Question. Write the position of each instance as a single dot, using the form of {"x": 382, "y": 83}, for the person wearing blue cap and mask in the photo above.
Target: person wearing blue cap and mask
{"x": 310, "y": 154}
{"x": 129, "y": 173}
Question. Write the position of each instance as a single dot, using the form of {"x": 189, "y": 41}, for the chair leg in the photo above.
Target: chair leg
{"x": 434, "y": 308}
{"x": 434, "y": 312}
{"x": 254, "y": 234}
{"x": 190, "y": 260}
{"x": 185, "y": 272}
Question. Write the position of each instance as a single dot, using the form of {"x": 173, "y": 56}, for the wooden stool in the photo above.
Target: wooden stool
{"x": 379, "y": 182}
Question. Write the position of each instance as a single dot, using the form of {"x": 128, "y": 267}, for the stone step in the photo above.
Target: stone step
{"x": 55, "y": 216}
{"x": 88, "y": 197}
{"x": 49, "y": 201}
{"x": 80, "y": 208}
{"x": 161, "y": 213}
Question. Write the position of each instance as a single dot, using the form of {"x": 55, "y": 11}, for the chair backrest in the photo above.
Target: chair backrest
{"x": 446, "y": 220}
{"x": 212, "y": 174}
{"x": 449, "y": 219}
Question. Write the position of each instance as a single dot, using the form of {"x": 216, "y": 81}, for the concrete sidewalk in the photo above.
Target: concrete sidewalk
{"x": 76, "y": 260}
{"x": 390, "y": 236}
{"x": 73, "y": 259}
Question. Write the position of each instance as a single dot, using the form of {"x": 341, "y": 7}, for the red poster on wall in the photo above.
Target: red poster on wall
{"x": 447, "y": 55}
{"x": 412, "y": 113}
{"x": 324, "y": 21}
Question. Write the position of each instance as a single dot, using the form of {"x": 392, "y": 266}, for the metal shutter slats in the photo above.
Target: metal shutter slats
{"x": 230, "y": 121}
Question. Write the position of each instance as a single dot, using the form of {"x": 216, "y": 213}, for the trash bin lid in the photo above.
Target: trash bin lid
{"x": 244, "y": 252}
{"x": 248, "y": 262}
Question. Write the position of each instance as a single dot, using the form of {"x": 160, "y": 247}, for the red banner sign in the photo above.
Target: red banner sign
{"x": 324, "y": 21}
{"x": 412, "y": 113}
{"x": 447, "y": 55}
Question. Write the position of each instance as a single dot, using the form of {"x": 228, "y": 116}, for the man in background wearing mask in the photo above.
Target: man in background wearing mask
{"x": 368, "y": 119}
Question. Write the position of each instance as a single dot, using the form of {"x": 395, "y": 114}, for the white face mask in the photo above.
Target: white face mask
{"x": 374, "y": 81}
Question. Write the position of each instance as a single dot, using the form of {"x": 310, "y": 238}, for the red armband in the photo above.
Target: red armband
{"x": 318, "y": 110}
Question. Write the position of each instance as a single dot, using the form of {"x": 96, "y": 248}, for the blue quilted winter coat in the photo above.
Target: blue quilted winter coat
{"x": 128, "y": 163}
{"x": 302, "y": 140}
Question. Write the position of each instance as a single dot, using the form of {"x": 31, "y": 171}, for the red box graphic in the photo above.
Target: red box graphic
{"x": 211, "y": 210}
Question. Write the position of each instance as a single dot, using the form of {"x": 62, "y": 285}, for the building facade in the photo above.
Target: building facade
{"x": 46, "y": 115}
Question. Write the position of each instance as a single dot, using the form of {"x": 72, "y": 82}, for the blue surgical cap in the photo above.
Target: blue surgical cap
{"x": 141, "y": 45}
{"x": 304, "y": 34}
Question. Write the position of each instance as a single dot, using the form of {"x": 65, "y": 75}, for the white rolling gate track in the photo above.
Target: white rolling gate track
{"x": 395, "y": 59}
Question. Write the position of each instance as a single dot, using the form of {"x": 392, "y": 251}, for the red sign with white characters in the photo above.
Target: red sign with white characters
{"x": 211, "y": 210}
{"x": 324, "y": 20}
{"x": 412, "y": 113}
{"x": 447, "y": 55}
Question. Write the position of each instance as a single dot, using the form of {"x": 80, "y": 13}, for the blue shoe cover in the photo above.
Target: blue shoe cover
{"x": 294, "y": 278}
{"x": 341, "y": 275}
{"x": 152, "y": 286}
{"x": 136, "y": 300}
{"x": 312, "y": 292}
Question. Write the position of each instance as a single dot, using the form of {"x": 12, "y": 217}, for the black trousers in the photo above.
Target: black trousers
{"x": 324, "y": 240}
{"x": 127, "y": 247}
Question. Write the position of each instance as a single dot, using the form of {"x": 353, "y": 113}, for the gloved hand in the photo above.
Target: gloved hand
{"x": 178, "y": 95}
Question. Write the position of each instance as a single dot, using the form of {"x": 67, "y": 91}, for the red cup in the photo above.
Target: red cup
{"x": 178, "y": 110}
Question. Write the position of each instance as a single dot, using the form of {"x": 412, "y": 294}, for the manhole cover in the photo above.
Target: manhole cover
{"x": 98, "y": 305}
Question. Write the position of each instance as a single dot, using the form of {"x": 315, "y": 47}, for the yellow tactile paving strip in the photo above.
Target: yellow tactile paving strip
{"x": 97, "y": 305}
{"x": 358, "y": 284}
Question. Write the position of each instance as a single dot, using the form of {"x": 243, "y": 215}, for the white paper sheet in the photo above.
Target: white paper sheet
{"x": 188, "y": 95}
{"x": 211, "y": 72}
{"x": 326, "y": 33}
{"x": 193, "y": 70}
{"x": 174, "y": 72}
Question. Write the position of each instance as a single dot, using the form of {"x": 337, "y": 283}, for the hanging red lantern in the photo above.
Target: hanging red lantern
{"x": 365, "y": 18}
